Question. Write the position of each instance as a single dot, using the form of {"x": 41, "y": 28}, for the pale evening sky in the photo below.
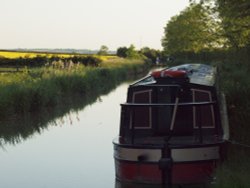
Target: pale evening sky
{"x": 85, "y": 24}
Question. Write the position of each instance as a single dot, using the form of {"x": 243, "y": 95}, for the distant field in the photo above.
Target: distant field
{"x": 16, "y": 54}
{"x": 13, "y": 54}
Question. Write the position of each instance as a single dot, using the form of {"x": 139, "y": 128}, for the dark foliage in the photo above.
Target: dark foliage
{"x": 40, "y": 61}
{"x": 122, "y": 52}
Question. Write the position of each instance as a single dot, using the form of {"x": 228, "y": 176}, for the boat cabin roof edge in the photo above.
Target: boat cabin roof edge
{"x": 196, "y": 73}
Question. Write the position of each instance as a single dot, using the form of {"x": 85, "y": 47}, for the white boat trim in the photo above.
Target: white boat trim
{"x": 211, "y": 108}
{"x": 195, "y": 154}
{"x": 132, "y": 154}
{"x": 178, "y": 155}
{"x": 150, "y": 110}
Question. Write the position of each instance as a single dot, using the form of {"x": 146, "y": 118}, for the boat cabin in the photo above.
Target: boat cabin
{"x": 165, "y": 106}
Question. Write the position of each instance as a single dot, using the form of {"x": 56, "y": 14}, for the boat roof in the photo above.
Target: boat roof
{"x": 197, "y": 73}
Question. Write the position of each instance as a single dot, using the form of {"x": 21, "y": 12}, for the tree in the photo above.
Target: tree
{"x": 151, "y": 54}
{"x": 235, "y": 16}
{"x": 129, "y": 52}
{"x": 235, "y": 20}
{"x": 103, "y": 50}
{"x": 193, "y": 30}
{"x": 122, "y": 52}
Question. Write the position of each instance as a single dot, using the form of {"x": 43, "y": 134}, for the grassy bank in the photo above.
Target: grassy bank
{"x": 234, "y": 172}
{"x": 34, "y": 98}
{"x": 36, "y": 89}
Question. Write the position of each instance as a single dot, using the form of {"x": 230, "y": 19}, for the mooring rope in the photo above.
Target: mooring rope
{"x": 238, "y": 143}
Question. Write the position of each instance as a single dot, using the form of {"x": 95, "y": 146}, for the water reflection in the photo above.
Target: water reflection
{"x": 76, "y": 153}
{"x": 18, "y": 128}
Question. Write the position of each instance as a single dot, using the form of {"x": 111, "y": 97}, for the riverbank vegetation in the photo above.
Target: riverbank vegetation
{"x": 33, "y": 89}
{"x": 34, "y": 96}
{"x": 218, "y": 32}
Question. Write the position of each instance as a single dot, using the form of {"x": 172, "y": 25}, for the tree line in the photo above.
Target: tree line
{"x": 208, "y": 28}
{"x": 150, "y": 55}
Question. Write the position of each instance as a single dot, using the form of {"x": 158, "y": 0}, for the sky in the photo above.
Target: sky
{"x": 85, "y": 24}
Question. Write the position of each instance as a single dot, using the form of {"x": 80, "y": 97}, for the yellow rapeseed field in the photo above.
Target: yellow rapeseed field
{"x": 15, "y": 54}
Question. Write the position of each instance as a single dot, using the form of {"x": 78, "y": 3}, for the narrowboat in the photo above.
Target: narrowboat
{"x": 173, "y": 127}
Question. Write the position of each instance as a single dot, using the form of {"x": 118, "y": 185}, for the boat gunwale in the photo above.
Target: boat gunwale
{"x": 172, "y": 146}
{"x": 170, "y": 104}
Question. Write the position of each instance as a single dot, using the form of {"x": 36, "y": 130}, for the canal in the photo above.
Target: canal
{"x": 73, "y": 151}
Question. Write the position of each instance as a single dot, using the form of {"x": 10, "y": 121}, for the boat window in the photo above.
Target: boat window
{"x": 174, "y": 118}
{"x": 145, "y": 81}
{"x": 141, "y": 117}
{"x": 203, "y": 115}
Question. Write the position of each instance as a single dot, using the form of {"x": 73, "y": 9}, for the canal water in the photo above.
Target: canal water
{"x": 74, "y": 151}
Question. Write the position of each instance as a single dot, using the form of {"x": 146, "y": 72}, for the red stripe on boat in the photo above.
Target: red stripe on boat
{"x": 169, "y": 73}
{"x": 198, "y": 172}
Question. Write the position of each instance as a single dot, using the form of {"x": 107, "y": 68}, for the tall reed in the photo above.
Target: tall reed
{"x": 35, "y": 97}
{"x": 35, "y": 89}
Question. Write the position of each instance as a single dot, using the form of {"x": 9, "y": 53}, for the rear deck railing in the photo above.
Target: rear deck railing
{"x": 130, "y": 108}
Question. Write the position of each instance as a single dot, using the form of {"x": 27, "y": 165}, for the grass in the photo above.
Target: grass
{"x": 33, "y": 89}
{"x": 234, "y": 172}
{"x": 36, "y": 96}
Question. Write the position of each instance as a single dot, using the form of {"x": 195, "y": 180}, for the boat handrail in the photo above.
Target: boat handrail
{"x": 132, "y": 106}
{"x": 161, "y": 85}
{"x": 169, "y": 104}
